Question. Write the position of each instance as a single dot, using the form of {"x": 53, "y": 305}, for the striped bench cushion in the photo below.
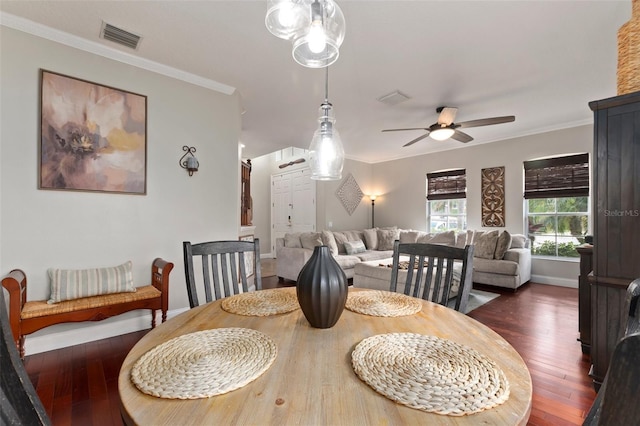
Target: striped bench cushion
{"x": 69, "y": 284}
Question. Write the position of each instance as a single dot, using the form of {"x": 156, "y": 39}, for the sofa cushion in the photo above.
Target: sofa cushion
{"x": 502, "y": 245}
{"x": 485, "y": 244}
{"x": 347, "y": 262}
{"x": 518, "y": 241}
{"x": 68, "y": 284}
{"x": 386, "y": 238}
{"x": 461, "y": 239}
{"x": 309, "y": 240}
{"x": 329, "y": 241}
{"x": 371, "y": 238}
{"x": 375, "y": 255}
{"x": 354, "y": 247}
{"x": 493, "y": 266}
{"x": 292, "y": 240}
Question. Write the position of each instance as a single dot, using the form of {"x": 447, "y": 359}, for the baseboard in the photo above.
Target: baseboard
{"x": 266, "y": 256}
{"x": 560, "y": 282}
{"x": 90, "y": 332}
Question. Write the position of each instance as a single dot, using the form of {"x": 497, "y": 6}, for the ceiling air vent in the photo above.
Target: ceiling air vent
{"x": 120, "y": 36}
{"x": 394, "y": 98}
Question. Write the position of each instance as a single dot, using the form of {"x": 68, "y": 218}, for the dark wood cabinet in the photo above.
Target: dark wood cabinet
{"x": 584, "y": 296}
{"x": 616, "y": 221}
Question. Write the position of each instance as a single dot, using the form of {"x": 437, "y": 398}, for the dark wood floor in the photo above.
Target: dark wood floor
{"x": 79, "y": 385}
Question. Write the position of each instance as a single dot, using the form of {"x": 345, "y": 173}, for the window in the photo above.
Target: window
{"x": 446, "y": 200}
{"x": 557, "y": 204}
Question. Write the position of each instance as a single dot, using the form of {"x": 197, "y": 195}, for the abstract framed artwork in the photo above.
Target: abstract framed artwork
{"x": 92, "y": 137}
{"x": 493, "y": 197}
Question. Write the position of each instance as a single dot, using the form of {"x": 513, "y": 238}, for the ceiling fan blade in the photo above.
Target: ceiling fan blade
{"x": 412, "y": 128}
{"x": 447, "y": 115}
{"x": 419, "y": 138}
{"x": 486, "y": 121}
{"x": 461, "y": 137}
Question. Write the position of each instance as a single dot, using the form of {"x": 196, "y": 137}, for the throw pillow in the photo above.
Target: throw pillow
{"x": 341, "y": 238}
{"x": 309, "y": 240}
{"x": 292, "y": 240}
{"x": 518, "y": 241}
{"x": 329, "y": 241}
{"x": 371, "y": 238}
{"x": 354, "y": 247}
{"x": 485, "y": 244}
{"x": 409, "y": 237}
{"x": 447, "y": 238}
{"x": 502, "y": 245}
{"x": 67, "y": 284}
{"x": 386, "y": 237}
{"x": 424, "y": 238}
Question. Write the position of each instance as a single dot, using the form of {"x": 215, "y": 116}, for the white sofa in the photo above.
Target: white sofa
{"x": 506, "y": 266}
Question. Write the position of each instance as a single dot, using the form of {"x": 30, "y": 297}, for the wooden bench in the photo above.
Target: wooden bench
{"x": 28, "y": 317}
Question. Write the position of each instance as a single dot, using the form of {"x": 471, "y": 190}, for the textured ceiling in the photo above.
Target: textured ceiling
{"x": 541, "y": 61}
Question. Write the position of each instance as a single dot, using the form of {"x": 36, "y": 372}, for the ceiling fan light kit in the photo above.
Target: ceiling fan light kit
{"x": 441, "y": 133}
{"x": 445, "y": 128}
{"x": 315, "y": 27}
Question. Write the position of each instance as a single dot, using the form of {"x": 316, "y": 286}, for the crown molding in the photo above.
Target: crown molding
{"x": 39, "y": 30}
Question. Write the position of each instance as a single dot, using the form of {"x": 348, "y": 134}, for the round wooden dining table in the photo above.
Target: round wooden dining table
{"x": 312, "y": 381}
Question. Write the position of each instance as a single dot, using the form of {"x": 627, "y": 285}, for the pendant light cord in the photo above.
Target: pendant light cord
{"x": 326, "y": 85}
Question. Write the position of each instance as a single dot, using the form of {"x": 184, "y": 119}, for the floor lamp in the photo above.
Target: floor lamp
{"x": 373, "y": 207}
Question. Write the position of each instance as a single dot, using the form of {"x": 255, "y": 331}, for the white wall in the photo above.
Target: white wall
{"x": 40, "y": 229}
{"x": 403, "y": 185}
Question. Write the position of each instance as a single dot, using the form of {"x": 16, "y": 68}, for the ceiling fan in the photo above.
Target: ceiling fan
{"x": 291, "y": 163}
{"x": 445, "y": 128}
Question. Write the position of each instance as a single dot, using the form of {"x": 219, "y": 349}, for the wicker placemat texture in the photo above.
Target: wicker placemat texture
{"x": 204, "y": 363}
{"x": 380, "y": 303}
{"x": 430, "y": 374}
{"x": 261, "y": 303}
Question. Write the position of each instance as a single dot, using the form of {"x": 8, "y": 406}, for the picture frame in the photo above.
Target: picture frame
{"x": 93, "y": 137}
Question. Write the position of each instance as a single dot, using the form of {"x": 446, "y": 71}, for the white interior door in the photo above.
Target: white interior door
{"x": 293, "y": 204}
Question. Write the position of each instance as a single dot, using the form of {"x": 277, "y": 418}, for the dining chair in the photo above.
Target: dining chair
{"x": 432, "y": 271}
{"x": 616, "y": 401}
{"x": 225, "y": 264}
{"x": 19, "y": 402}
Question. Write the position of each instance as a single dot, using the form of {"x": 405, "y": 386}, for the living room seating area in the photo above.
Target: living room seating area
{"x": 500, "y": 258}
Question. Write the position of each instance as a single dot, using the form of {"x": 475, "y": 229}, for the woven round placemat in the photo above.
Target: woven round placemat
{"x": 204, "y": 363}
{"x": 430, "y": 374}
{"x": 261, "y": 303}
{"x": 380, "y": 303}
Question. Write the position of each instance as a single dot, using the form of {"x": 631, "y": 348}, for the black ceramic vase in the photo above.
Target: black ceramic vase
{"x": 322, "y": 289}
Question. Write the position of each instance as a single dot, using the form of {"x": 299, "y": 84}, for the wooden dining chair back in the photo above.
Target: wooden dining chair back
{"x": 225, "y": 265}
{"x": 19, "y": 402}
{"x": 432, "y": 270}
{"x": 616, "y": 401}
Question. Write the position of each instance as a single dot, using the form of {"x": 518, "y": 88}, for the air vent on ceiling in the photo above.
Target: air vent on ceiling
{"x": 393, "y": 98}
{"x": 120, "y": 36}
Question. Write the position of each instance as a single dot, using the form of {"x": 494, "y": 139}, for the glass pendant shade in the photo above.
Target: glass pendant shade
{"x": 288, "y": 18}
{"x": 317, "y": 45}
{"x": 326, "y": 155}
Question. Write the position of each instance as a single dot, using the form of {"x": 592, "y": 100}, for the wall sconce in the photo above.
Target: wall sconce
{"x": 190, "y": 163}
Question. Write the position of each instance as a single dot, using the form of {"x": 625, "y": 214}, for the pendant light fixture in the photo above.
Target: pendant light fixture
{"x": 326, "y": 155}
{"x": 316, "y": 28}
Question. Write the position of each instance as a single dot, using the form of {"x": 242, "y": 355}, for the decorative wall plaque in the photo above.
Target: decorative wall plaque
{"x": 493, "y": 197}
{"x": 349, "y": 194}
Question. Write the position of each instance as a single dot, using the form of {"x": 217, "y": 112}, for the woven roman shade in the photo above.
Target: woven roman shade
{"x": 447, "y": 185}
{"x": 557, "y": 177}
